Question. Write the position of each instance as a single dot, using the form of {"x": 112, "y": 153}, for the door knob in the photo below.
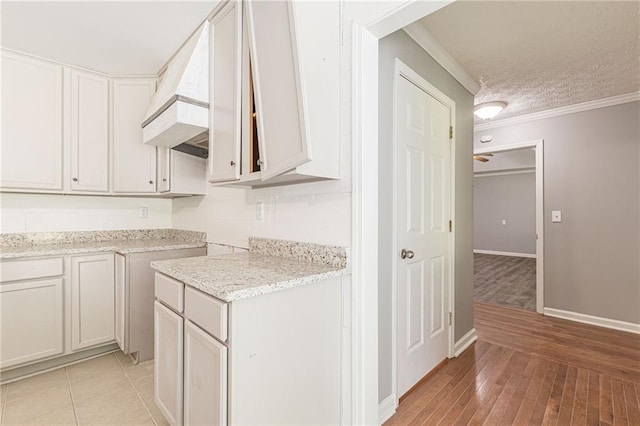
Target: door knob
{"x": 406, "y": 254}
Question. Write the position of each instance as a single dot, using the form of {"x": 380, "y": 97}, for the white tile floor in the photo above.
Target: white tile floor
{"x": 108, "y": 390}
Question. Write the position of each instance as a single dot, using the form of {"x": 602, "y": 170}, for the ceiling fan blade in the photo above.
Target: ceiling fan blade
{"x": 482, "y": 159}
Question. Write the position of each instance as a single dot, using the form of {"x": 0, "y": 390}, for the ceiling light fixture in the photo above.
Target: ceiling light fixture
{"x": 488, "y": 110}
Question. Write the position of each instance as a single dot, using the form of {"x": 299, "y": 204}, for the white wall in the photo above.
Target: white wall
{"x": 317, "y": 212}
{"x": 43, "y": 213}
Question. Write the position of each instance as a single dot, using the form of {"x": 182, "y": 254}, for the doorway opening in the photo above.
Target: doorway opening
{"x": 508, "y": 226}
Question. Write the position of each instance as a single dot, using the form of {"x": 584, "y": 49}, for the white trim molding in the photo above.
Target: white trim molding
{"x": 593, "y": 320}
{"x": 505, "y": 253}
{"x": 429, "y": 44}
{"x": 465, "y": 341}
{"x": 569, "y": 109}
{"x": 387, "y": 408}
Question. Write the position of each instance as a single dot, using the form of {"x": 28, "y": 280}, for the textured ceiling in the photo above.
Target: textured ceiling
{"x": 123, "y": 37}
{"x": 542, "y": 55}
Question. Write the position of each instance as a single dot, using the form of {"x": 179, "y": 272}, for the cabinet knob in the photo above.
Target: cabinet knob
{"x": 232, "y": 163}
{"x": 150, "y": 182}
{"x": 75, "y": 179}
{"x": 164, "y": 179}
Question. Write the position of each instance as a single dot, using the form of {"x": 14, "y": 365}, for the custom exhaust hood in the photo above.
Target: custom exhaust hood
{"x": 178, "y": 116}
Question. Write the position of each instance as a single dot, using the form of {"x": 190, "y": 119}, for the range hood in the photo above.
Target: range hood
{"x": 178, "y": 116}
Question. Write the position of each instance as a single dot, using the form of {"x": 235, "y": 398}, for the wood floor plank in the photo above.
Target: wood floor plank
{"x": 543, "y": 395}
{"x": 593, "y": 400}
{"x": 579, "y": 412}
{"x": 518, "y": 396}
{"x": 568, "y": 396}
{"x": 511, "y": 383}
{"x": 631, "y": 399}
{"x": 529, "y": 401}
{"x": 606, "y": 400}
{"x": 552, "y": 410}
{"x": 449, "y": 395}
{"x": 619, "y": 406}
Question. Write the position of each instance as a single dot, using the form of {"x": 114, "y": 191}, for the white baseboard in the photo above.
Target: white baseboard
{"x": 387, "y": 408}
{"x": 464, "y": 342}
{"x": 589, "y": 319}
{"x": 505, "y": 253}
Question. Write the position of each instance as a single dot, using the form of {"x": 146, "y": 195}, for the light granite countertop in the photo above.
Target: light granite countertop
{"x": 242, "y": 275}
{"x": 15, "y": 246}
{"x": 122, "y": 247}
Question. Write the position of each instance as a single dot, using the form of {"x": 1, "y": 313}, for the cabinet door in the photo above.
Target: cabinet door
{"x": 92, "y": 300}
{"x": 205, "y": 378}
{"x": 89, "y": 120}
{"x": 134, "y": 163}
{"x": 164, "y": 169}
{"x": 168, "y": 364}
{"x": 226, "y": 88}
{"x": 280, "y": 107}
{"x": 31, "y": 325}
{"x": 31, "y": 123}
{"x": 121, "y": 301}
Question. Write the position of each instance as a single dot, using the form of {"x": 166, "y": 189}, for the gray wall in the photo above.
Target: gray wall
{"x": 513, "y": 198}
{"x": 400, "y": 45}
{"x": 592, "y": 174}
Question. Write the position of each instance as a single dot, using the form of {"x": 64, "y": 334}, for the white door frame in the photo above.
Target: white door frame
{"x": 538, "y": 145}
{"x": 367, "y": 29}
{"x": 403, "y": 70}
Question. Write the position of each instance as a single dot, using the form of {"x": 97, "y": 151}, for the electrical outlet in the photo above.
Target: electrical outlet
{"x": 260, "y": 211}
{"x": 144, "y": 213}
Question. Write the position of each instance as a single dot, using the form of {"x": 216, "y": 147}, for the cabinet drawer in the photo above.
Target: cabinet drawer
{"x": 15, "y": 270}
{"x": 207, "y": 312}
{"x": 170, "y": 292}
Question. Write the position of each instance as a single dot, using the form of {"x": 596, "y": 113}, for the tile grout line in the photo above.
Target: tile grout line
{"x": 73, "y": 403}
{"x": 136, "y": 391}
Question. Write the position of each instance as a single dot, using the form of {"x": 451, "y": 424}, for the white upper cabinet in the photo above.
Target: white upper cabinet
{"x": 89, "y": 131}
{"x": 280, "y": 106}
{"x": 180, "y": 173}
{"x": 290, "y": 94}
{"x": 134, "y": 163}
{"x": 226, "y": 80}
{"x": 32, "y": 135}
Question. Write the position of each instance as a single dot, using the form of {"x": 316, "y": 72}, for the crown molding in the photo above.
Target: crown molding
{"x": 425, "y": 40}
{"x": 569, "y": 109}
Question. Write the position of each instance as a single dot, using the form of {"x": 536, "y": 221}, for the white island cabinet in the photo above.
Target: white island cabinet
{"x": 266, "y": 359}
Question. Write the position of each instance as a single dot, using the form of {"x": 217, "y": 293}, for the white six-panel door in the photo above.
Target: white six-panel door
{"x": 423, "y": 213}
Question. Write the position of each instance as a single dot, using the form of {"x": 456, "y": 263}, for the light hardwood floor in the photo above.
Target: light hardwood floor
{"x": 505, "y": 280}
{"x": 107, "y": 390}
{"x": 530, "y": 369}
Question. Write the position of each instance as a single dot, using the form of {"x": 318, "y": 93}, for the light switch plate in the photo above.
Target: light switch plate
{"x": 556, "y": 216}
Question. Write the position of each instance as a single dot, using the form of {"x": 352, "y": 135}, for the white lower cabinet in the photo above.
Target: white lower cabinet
{"x": 168, "y": 364}
{"x": 269, "y": 359}
{"x": 92, "y": 300}
{"x": 31, "y": 320}
{"x": 205, "y": 378}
